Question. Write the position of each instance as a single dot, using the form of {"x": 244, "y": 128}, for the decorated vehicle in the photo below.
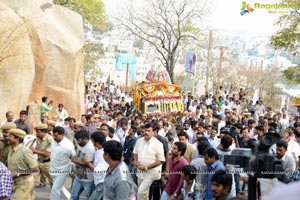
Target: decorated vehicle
{"x": 158, "y": 97}
{"x": 295, "y": 108}
{"x": 296, "y": 101}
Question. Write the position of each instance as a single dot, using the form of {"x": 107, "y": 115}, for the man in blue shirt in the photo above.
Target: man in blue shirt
{"x": 221, "y": 185}
{"x": 213, "y": 163}
{"x": 129, "y": 144}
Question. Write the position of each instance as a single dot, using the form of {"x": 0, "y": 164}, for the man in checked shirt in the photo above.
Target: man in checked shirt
{"x": 6, "y": 182}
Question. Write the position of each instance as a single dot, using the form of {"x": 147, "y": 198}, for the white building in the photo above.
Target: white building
{"x": 257, "y": 62}
{"x": 148, "y": 49}
{"x": 107, "y": 63}
{"x": 125, "y": 45}
{"x": 109, "y": 43}
{"x": 282, "y": 62}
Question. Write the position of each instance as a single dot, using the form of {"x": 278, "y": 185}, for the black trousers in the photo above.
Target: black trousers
{"x": 155, "y": 190}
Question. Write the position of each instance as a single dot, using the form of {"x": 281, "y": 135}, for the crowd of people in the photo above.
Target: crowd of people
{"x": 114, "y": 152}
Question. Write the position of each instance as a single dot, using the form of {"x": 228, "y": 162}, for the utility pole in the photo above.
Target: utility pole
{"x": 127, "y": 66}
{"x": 208, "y": 61}
{"x": 221, "y": 48}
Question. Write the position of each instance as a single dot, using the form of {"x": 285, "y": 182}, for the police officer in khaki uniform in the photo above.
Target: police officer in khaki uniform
{"x": 4, "y": 145}
{"x": 51, "y": 125}
{"x": 78, "y": 126}
{"x": 43, "y": 150}
{"x": 22, "y": 164}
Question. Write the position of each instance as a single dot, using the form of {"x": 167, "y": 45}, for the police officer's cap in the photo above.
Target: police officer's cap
{"x": 51, "y": 122}
{"x": 8, "y": 126}
{"x": 17, "y": 132}
{"x": 96, "y": 116}
{"x": 41, "y": 127}
{"x": 78, "y": 124}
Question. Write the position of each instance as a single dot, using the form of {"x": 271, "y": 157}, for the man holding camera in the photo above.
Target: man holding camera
{"x": 45, "y": 107}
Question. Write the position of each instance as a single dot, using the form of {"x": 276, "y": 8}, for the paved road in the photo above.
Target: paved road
{"x": 44, "y": 193}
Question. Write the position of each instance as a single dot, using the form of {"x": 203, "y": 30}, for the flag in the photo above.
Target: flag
{"x": 190, "y": 62}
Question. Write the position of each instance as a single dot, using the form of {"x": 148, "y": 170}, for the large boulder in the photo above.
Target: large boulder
{"x": 56, "y": 45}
{"x": 17, "y": 67}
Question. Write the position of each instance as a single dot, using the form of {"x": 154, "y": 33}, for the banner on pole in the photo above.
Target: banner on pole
{"x": 190, "y": 62}
{"x": 122, "y": 60}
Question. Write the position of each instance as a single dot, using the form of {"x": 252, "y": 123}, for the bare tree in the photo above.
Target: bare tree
{"x": 265, "y": 80}
{"x": 165, "y": 24}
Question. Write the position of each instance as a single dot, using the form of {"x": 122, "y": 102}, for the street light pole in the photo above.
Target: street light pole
{"x": 208, "y": 61}
{"x": 221, "y": 48}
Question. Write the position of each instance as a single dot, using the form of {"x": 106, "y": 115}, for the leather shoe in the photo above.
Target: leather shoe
{"x": 41, "y": 185}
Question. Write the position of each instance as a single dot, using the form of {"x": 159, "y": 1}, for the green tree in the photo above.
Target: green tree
{"x": 138, "y": 43}
{"x": 265, "y": 80}
{"x": 288, "y": 39}
{"x": 292, "y": 74}
{"x": 165, "y": 25}
{"x": 91, "y": 10}
{"x": 288, "y": 35}
{"x": 92, "y": 54}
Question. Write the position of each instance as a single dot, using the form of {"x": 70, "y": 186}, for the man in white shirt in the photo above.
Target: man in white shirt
{"x": 98, "y": 166}
{"x": 148, "y": 156}
{"x": 123, "y": 131}
{"x": 161, "y": 130}
{"x": 193, "y": 108}
{"x": 128, "y": 97}
{"x": 226, "y": 105}
{"x": 60, "y": 163}
{"x": 201, "y": 110}
{"x": 284, "y": 120}
{"x": 188, "y": 129}
{"x": 282, "y": 154}
{"x": 213, "y": 140}
{"x": 90, "y": 104}
{"x": 104, "y": 128}
{"x": 221, "y": 124}
{"x": 112, "y": 89}
{"x": 112, "y": 135}
{"x": 9, "y": 118}
{"x": 118, "y": 91}
{"x": 61, "y": 114}
{"x": 209, "y": 100}
{"x": 293, "y": 146}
